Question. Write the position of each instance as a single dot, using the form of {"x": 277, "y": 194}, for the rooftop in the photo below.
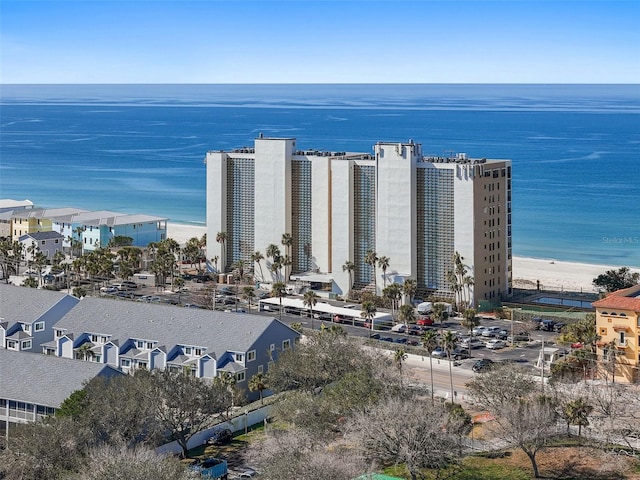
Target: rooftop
{"x": 168, "y": 325}
{"x": 627, "y": 299}
{"x": 51, "y": 379}
{"x": 26, "y": 305}
{"x": 41, "y": 236}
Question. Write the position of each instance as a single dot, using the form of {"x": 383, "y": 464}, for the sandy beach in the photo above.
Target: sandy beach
{"x": 552, "y": 274}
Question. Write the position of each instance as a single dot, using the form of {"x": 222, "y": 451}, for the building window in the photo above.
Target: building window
{"x": 187, "y": 350}
{"x": 140, "y": 344}
{"x": 260, "y": 368}
{"x": 26, "y": 327}
{"x": 149, "y": 345}
{"x": 39, "y": 326}
{"x": 251, "y": 356}
{"x": 286, "y": 344}
{"x": 26, "y": 344}
{"x": 603, "y": 331}
{"x": 59, "y": 333}
{"x": 621, "y": 338}
{"x": 142, "y": 365}
{"x": 12, "y": 344}
{"x": 198, "y": 352}
{"x": 125, "y": 362}
{"x": 272, "y": 347}
{"x": 94, "y": 338}
{"x": 97, "y": 358}
{"x": 240, "y": 376}
{"x": 239, "y": 357}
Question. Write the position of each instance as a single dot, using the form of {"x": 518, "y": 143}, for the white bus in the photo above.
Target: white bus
{"x": 326, "y": 312}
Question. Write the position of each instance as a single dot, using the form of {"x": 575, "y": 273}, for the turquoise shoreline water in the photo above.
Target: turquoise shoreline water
{"x": 140, "y": 148}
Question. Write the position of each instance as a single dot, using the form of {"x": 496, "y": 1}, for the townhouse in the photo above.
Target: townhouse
{"x": 27, "y": 316}
{"x": 50, "y": 381}
{"x": 202, "y": 343}
{"x": 46, "y": 242}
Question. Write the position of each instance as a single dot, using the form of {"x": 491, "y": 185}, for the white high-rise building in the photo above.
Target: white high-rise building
{"x": 416, "y": 210}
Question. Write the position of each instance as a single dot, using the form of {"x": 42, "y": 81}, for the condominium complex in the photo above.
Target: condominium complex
{"x": 416, "y": 210}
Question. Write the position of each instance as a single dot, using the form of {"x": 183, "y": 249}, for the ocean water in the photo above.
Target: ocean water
{"x": 140, "y": 148}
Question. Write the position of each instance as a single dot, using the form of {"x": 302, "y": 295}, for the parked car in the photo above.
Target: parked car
{"x": 472, "y": 342}
{"x": 519, "y": 337}
{"x": 375, "y": 336}
{"x": 399, "y": 328}
{"x": 386, "y": 339}
{"x": 482, "y": 365}
{"x": 425, "y": 322}
{"x": 490, "y": 331}
{"x": 502, "y": 334}
{"x": 495, "y": 344}
{"x": 478, "y": 330}
{"x": 558, "y": 327}
{"x": 415, "y": 330}
{"x": 401, "y": 340}
{"x": 108, "y": 290}
{"x": 577, "y": 345}
{"x": 456, "y": 353}
{"x": 221, "y": 436}
{"x": 547, "y": 325}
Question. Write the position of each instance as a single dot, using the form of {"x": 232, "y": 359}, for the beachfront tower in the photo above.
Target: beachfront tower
{"x": 415, "y": 209}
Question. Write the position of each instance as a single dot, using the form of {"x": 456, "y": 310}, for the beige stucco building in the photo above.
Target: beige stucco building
{"x": 617, "y": 323}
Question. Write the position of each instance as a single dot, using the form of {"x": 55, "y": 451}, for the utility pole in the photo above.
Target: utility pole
{"x": 542, "y": 365}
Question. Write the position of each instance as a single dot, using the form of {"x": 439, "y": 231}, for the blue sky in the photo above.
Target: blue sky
{"x": 298, "y": 41}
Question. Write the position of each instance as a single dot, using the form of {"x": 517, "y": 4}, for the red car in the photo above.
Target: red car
{"x": 425, "y": 322}
{"x": 577, "y": 345}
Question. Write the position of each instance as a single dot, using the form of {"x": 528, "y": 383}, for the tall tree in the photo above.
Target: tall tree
{"x": 278, "y": 289}
{"x": 409, "y": 288}
{"x": 383, "y": 263}
{"x": 407, "y": 314}
{"x": 371, "y": 258}
{"x": 257, "y": 257}
{"x": 349, "y": 267}
{"x": 249, "y": 294}
{"x": 430, "y": 342}
{"x": 438, "y": 311}
{"x": 221, "y": 238}
{"x": 449, "y": 342}
{"x": 368, "y": 312}
{"x": 310, "y": 299}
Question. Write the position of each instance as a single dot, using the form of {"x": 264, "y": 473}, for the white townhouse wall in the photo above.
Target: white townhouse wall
{"x": 417, "y": 210}
{"x": 203, "y": 343}
{"x": 34, "y": 386}
{"x": 27, "y": 316}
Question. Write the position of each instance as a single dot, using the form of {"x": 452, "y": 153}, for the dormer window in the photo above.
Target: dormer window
{"x": 59, "y": 333}
{"x": 198, "y": 352}
{"x": 149, "y": 345}
{"x": 239, "y": 357}
{"x": 94, "y": 338}
{"x": 187, "y": 350}
{"x": 140, "y": 344}
{"x": 26, "y": 327}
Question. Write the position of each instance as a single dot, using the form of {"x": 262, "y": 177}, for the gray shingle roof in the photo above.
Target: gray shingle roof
{"x": 41, "y": 236}
{"x": 217, "y": 332}
{"x": 22, "y": 304}
{"x": 44, "y": 379}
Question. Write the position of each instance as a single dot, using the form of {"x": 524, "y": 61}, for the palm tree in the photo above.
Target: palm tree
{"x": 278, "y": 289}
{"x": 468, "y": 282}
{"x": 85, "y": 352}
{"x": 470, "y": 320}
{"x": 257, "y": 257}
{"x": 399, "y": 357}
{"x": 215, "y": 259}
{"x": 368, "y": 312}
{"x": 449, "y": 342}
{"x": 258, "y": 383}
{"x": 370, "y": 258}
{"x": 309, "y": 299}
{"x": 406, "y": 315}
{"x": 437, "y": 311}
{"x": 249, "y": 294}
{"x": 221, "y": 238}
{"x": 287, "y": 242}
{"x": 286, "y": 262}
{"x": 349, "y": 267}
{"x": 383, "y": 263}
{"x": 430, "y": 342}
{"x": 393, "y": 292}
{"x": 273, "y": 252}
{"x": 409, "y": 288}
{"x": 577, "y": 412}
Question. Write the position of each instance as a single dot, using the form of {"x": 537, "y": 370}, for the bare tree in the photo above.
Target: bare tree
{"x": 109, "y": 463}
{"x": 294, "y": 454}
{"x": 406, "y": 431}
